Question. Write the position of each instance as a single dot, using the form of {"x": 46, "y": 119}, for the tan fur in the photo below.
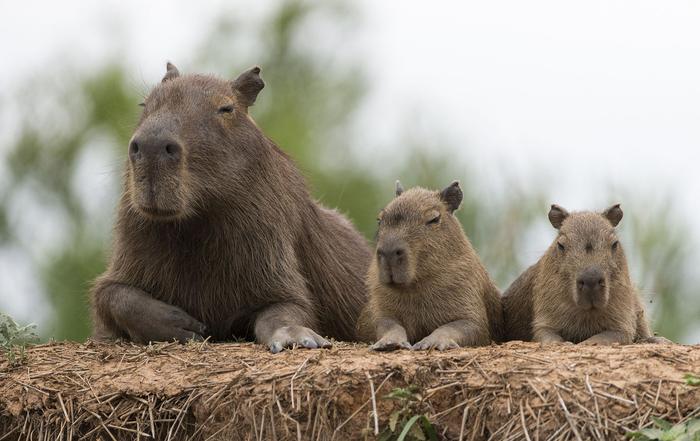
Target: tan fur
{"x": 447, "y": 281}
{"x": 224, "y": 241}
{"x": 541, "y": 304}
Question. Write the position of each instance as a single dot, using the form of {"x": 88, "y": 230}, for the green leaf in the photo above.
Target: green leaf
{"x": 393, "y": 419}
{"x": 692, "y": 379}
{"x": 417, "y": 433}
{"x": 402, "y": 393}
{"x": 385, "y": 435}
{"x": 428, "y": 428}
{"x": 674, "y": 432}
{"x": 646, "y": 434}
{"x": 407, "y": 427}
{"x": 661, "y": 423}
{"x": 693, "y": 427}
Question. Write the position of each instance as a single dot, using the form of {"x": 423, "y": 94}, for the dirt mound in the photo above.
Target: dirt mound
{"x": 240, "y": 391}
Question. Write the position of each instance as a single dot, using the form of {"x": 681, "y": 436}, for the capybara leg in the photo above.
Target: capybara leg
{"x": 390, "y": 336}
{"x": 547, "y": 335}
{"x": 285, "y": 325}
{"x": 644, "y": 334}
{"x": 658, "y": 340}
{"x": 608, "y": 338}
{"x": 453, "y": 335}
{"x": 643, "y": 331}
{"x": 142, "y": 317}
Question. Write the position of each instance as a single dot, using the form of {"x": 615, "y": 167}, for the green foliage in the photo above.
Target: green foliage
{"x": 666, "y": 431}
{"x": 406, "y": 423}
{"x": 15, "y": 338}
{"x": 662, "y": 247}
{"x": 691, "y": 379}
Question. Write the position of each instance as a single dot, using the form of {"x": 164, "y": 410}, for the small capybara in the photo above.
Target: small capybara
{"x": 217, "y": 235}
{"x": 580, "y": 290}
{"x": 427, "y": 286}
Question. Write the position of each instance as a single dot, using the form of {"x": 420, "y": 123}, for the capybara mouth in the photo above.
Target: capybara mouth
{"x": 159, "y": 213}
{"x": 390, "y": 278}
{"x": 591, "y": 305}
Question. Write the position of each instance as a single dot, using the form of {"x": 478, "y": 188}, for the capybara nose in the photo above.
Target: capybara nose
{"x": 393, "y": 255}
{"x": 590, "y": 280}
{"x": 154, "y": 147}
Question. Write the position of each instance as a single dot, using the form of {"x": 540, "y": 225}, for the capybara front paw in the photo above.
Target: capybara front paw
{"x": 390, "y": 344}
{"x": 162, "y": 322}
{"x": 435, "y": 342}
{"x": 657, "y": 340}
{"x": 598, "y": 340}
{"x": 299, "y": 336}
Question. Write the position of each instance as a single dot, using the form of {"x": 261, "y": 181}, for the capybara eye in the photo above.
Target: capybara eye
{"x": 434, "y": 220}
{"x": 560, "y": 246}
{"x": 226, "y": 109}
{"x": 614, "y": 245}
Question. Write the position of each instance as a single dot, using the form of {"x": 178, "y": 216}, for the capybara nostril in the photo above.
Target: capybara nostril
{"x": 399, "y": 252}
{"x": 134, "y": 151}
{"x": 173, "y": 150}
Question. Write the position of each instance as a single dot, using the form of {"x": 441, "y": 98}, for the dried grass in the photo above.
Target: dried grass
{"x": 516, "y": 391}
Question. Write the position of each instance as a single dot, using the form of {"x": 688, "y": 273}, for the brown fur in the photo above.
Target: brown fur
{"x": 219, "y": 235}
{"x": 547, "y": 303}
{"x": 437, "y": 294}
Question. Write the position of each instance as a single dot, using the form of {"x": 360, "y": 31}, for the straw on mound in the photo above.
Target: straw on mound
{"x": 240, "y": 391}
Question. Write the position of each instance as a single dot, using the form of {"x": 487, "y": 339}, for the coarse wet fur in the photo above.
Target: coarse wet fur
{"x": 580, "y": 290}
{"x": 217, "y": 235}
{"x": 428, "y": 288}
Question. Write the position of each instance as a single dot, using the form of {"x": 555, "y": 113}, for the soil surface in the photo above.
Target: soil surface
{"x": 241, "y": 391}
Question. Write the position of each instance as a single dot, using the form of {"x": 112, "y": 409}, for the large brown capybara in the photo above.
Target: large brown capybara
{"x": 217, "y": 235}
{"x": 428, "y": 288}
{"x": 580, "y": 290}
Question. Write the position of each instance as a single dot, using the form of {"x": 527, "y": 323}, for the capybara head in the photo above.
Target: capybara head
{"x": 412, "y": 230}
{"x": 586, "y": 255}
{"x": 192, "y": 142}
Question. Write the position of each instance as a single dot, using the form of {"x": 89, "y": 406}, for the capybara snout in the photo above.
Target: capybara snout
{"x": 393, "y": 261}
{"x": 156, "y": 173}
{"x": 591, "y": 288}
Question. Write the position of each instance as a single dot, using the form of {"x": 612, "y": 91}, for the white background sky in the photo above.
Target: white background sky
{"x": 582, "y": 94}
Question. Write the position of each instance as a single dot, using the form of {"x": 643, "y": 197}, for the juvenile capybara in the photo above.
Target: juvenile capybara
{"x": 216, "y": 233}
{"x": 580, "y": 290}
{"x": 427, "y": 286}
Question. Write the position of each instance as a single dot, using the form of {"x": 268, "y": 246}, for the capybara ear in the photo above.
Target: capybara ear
{"x": 170, "y": 73}
{"x": 452, "y": 196}
{"x": 248, "y": 85}
{"x": 557, "y": 215}
{"x": 399, "y": 188}
{"x": 613, "y": 214}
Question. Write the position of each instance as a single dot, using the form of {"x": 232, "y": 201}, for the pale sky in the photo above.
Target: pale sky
{"x": 581, "y": 95}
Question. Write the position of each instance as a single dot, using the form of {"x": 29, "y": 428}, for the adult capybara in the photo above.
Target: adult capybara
{"x": 428, "y": 288}
{"x": 216, "y": 233}
{"x": 580, "y": 290}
